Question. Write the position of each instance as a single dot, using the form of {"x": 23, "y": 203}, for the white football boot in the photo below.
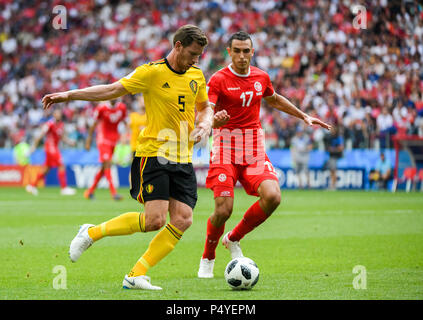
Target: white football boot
{"x": 67, "y": 191}
{"x": 138, "y": 283}
{"x": 233, "y": 247}
{"x": 206, "y": 268}
{"x": 80, "y": 243}
{"x": 31, "y": 189}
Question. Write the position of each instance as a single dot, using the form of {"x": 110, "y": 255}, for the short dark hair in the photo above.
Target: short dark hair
{"x": 240, "y": 35}
{"x": 189, "y": 33}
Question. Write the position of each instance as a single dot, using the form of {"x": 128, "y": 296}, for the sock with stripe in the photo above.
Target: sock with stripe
{"x": 253, "y": 217}
{"x": 160, "y": 246}
{"x": 212, "y": 240}
{"x": 125, "y": 224}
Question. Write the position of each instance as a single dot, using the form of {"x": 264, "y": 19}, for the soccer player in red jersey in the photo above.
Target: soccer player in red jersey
{"x": 52, "y": 130}
{"x": 107, "y": 118}
{"x": 238, "y": 152}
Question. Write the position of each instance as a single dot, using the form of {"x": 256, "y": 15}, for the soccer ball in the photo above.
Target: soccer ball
{"x": 241, "y": 273}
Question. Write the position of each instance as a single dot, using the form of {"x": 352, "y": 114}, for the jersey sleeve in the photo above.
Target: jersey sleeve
{"x": 202, "y": 92}
{"x": 124, "y": 112}
{"x": 97, "y": 113}
{"x": 123, "y": 109}
{"x": 213, "y": 89}
{"x": 46, "y": 127}
{"x": 268, "y": 91}
{"x": 138, "y": 80}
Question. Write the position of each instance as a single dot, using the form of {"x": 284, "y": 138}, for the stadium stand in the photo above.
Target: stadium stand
{"x": 368, "y": 81}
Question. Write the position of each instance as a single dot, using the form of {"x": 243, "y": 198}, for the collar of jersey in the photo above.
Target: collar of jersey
{"x": 171, "y": 69}
{"x": 238, "y": 74}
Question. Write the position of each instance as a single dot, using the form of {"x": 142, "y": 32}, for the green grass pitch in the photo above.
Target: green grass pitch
{"x": 306, "y": 250}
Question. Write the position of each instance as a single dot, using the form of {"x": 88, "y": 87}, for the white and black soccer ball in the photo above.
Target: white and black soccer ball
{"x": 241, "y": 273}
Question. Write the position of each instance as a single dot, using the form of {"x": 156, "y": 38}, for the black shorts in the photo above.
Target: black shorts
{"x": 152, "y": 179}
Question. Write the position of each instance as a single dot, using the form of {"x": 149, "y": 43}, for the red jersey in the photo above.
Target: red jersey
{"x": 109, "y": 119}
{"x": 53, "y": 135}
{"x": 240, "y": 95}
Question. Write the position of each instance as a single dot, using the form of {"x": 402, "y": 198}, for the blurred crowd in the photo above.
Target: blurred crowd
{"x": 367, "y": 81}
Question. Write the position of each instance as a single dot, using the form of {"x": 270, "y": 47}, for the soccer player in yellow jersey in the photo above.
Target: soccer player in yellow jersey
{"x": 162, "y": 174}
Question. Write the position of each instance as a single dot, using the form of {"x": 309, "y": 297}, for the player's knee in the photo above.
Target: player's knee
{"x": 106, "y": 165}
{"x": 224, "y": 213}
{"x": 182, "y": 222}
{"x": 186, "y": 223}
{"x": 156, "y": 223}
{"x": 272, "y": 198}
{"x": 223, "y": 210}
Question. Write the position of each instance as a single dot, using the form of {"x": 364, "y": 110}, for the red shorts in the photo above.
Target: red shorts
{"x": 53, "y": 159}
{"x": 222, "y": 178}
{"x": 105, "y": 152}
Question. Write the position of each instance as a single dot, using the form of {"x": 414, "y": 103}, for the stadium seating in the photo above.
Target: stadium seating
{"x": 309, "y": 48}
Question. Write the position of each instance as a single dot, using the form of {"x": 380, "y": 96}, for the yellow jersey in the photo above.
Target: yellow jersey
{"x": 136, "y": 122}
{"x": 170, "y": 99}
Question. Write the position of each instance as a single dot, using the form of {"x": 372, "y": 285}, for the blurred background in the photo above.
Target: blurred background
{"x": 366, "y": 81}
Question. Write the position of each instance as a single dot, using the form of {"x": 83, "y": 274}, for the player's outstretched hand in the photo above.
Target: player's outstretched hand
{"x": 50, "y": 99}
{"x": 220, "y": 119}
{"x": 312, "y": 120}
{"x": 201, "y": 131}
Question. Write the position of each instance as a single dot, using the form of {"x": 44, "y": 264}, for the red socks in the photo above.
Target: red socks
{"x": 61, "y": 174}
{"x": 212, "y": 240}
{"x": 97, "y": 178}
{"x": 108, "y": 174}
{"x": 252, "y": 218}
{"x": 37, "y": 179}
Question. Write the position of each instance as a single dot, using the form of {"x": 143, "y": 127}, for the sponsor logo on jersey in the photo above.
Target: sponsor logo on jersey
{"x": 225, "y": 194}
{"x": 194, "y": 86}
{"x": 257, "y": 86}
{"x": 166, "y": 85}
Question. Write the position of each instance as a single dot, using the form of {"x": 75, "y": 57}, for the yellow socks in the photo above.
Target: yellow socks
{"x": 160, "y": 246}
{"x": 124, "y": 224}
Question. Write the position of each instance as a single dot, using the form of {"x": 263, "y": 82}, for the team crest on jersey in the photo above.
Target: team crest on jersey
{"x": 222, "y": 177}
{"x": 194, "y": 86}
{"x": 149, "y": 188}
{"x": 257, "y": 86}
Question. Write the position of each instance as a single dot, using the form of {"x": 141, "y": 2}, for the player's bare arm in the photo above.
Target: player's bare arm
{"x": 217, "y": 120}
{"x": 281, "y": 103}
{"x": 101, "y": 92}
{"x": 204, "y": 121}
{"x": 90, "y": 135}
{"x": 38, "y": 139}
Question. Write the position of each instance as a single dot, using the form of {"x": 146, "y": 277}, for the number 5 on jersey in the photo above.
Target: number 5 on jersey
{"x": 182, "y": 103}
